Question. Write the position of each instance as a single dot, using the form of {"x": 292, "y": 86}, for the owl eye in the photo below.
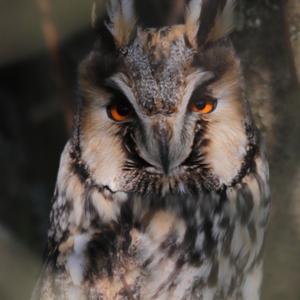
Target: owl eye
{"x": 119, "y": 112}
{"x": 204, "y": 105}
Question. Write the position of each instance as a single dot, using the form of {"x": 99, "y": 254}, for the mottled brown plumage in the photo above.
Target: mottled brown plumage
{"x": 162, "y": 191}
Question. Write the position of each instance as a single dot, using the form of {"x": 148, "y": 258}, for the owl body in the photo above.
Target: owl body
{"x": 162, "y": 191}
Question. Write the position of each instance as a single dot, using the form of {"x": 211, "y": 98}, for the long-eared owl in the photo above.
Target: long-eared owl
{"x": 162, "y": 191}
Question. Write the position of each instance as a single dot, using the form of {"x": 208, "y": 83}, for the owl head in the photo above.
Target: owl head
{"x": 163, "y": 108}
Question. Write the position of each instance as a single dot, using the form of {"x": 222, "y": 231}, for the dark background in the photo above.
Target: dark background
{"x": 41, "y": 44}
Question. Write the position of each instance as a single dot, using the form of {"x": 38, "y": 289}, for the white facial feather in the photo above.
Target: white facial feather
{"x": 227, "y": 130}
{"x": 106, "y": 161}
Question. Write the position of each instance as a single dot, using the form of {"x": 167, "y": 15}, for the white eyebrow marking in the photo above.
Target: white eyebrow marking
{"x": 194, "y": 80}
{"x": 120, "y": 80}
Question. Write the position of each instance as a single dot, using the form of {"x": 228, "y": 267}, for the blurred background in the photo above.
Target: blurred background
{"x": 42, "y": 42}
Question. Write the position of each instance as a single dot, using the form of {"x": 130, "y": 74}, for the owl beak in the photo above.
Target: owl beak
{"x": 164, "y": 152}
{"x": 159, "y": 146}
{"x": 163, "y": 136}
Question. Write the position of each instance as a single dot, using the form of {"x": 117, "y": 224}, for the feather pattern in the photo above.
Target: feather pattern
{"x": 224, "y": 21}
{"x": 122, "y": 20}
{"x": 192, "y": 15}
{"x": 216, "y": 20}
{"x": 158, "y": 197}
{"x": 209, "y": 20}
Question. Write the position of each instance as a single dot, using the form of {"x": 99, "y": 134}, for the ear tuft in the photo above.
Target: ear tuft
{"x": 224, "y": 22}
{"x": 192, "y": 18}
{"x": 122, "y": 20}
{"x": 209, "y": 20}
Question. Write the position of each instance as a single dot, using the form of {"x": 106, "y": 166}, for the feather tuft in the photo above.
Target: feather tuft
{"x": 224, "y": 22}
{"x": 209, "y": 20}
{"x": 122, "y": 20}
{"x": 192, "y": 18}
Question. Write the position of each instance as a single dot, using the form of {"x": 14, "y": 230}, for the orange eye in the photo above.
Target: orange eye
{"x": 119, "y": 112}
{"x": 204, "y": 106}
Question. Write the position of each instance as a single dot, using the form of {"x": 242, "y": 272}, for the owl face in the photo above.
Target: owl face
{"x": 163, "y": 108}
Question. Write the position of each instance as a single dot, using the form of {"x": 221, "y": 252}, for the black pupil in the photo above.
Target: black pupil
{"x": 123, "y": 110}
{"x": 200, "y": 104}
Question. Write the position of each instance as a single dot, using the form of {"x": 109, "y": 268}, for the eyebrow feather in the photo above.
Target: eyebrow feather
{"x": 119, "y": 82}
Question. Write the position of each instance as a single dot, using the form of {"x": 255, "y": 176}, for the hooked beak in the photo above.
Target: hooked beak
{"x": 162, "y": 147}
{"x": 163, "y": 137}
{"x": 164, "y": 152}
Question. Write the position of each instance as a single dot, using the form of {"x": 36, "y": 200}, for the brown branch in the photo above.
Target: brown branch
{"x": 51, "y": 37}
{"x": 291, "y": 19}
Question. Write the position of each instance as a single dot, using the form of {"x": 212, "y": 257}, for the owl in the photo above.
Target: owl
{"x": 162, "y": 190}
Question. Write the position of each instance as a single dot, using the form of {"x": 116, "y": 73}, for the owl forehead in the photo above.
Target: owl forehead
{"x": 157, "y": 62}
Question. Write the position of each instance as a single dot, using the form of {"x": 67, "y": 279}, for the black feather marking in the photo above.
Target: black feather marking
{"x": 79, "y": 167}
{"x": 252, "y": 231}
{"x": 101, "y": 252}
{"x": 209, "y": 241}
{"x": 244, "y": 204}
{"x": 104, "y": 59}
{"x": 126, "y": 221}
{"x": 213, "y": 276}
{"x": 248, "y": 165}
{"x": 99, "y": 65}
